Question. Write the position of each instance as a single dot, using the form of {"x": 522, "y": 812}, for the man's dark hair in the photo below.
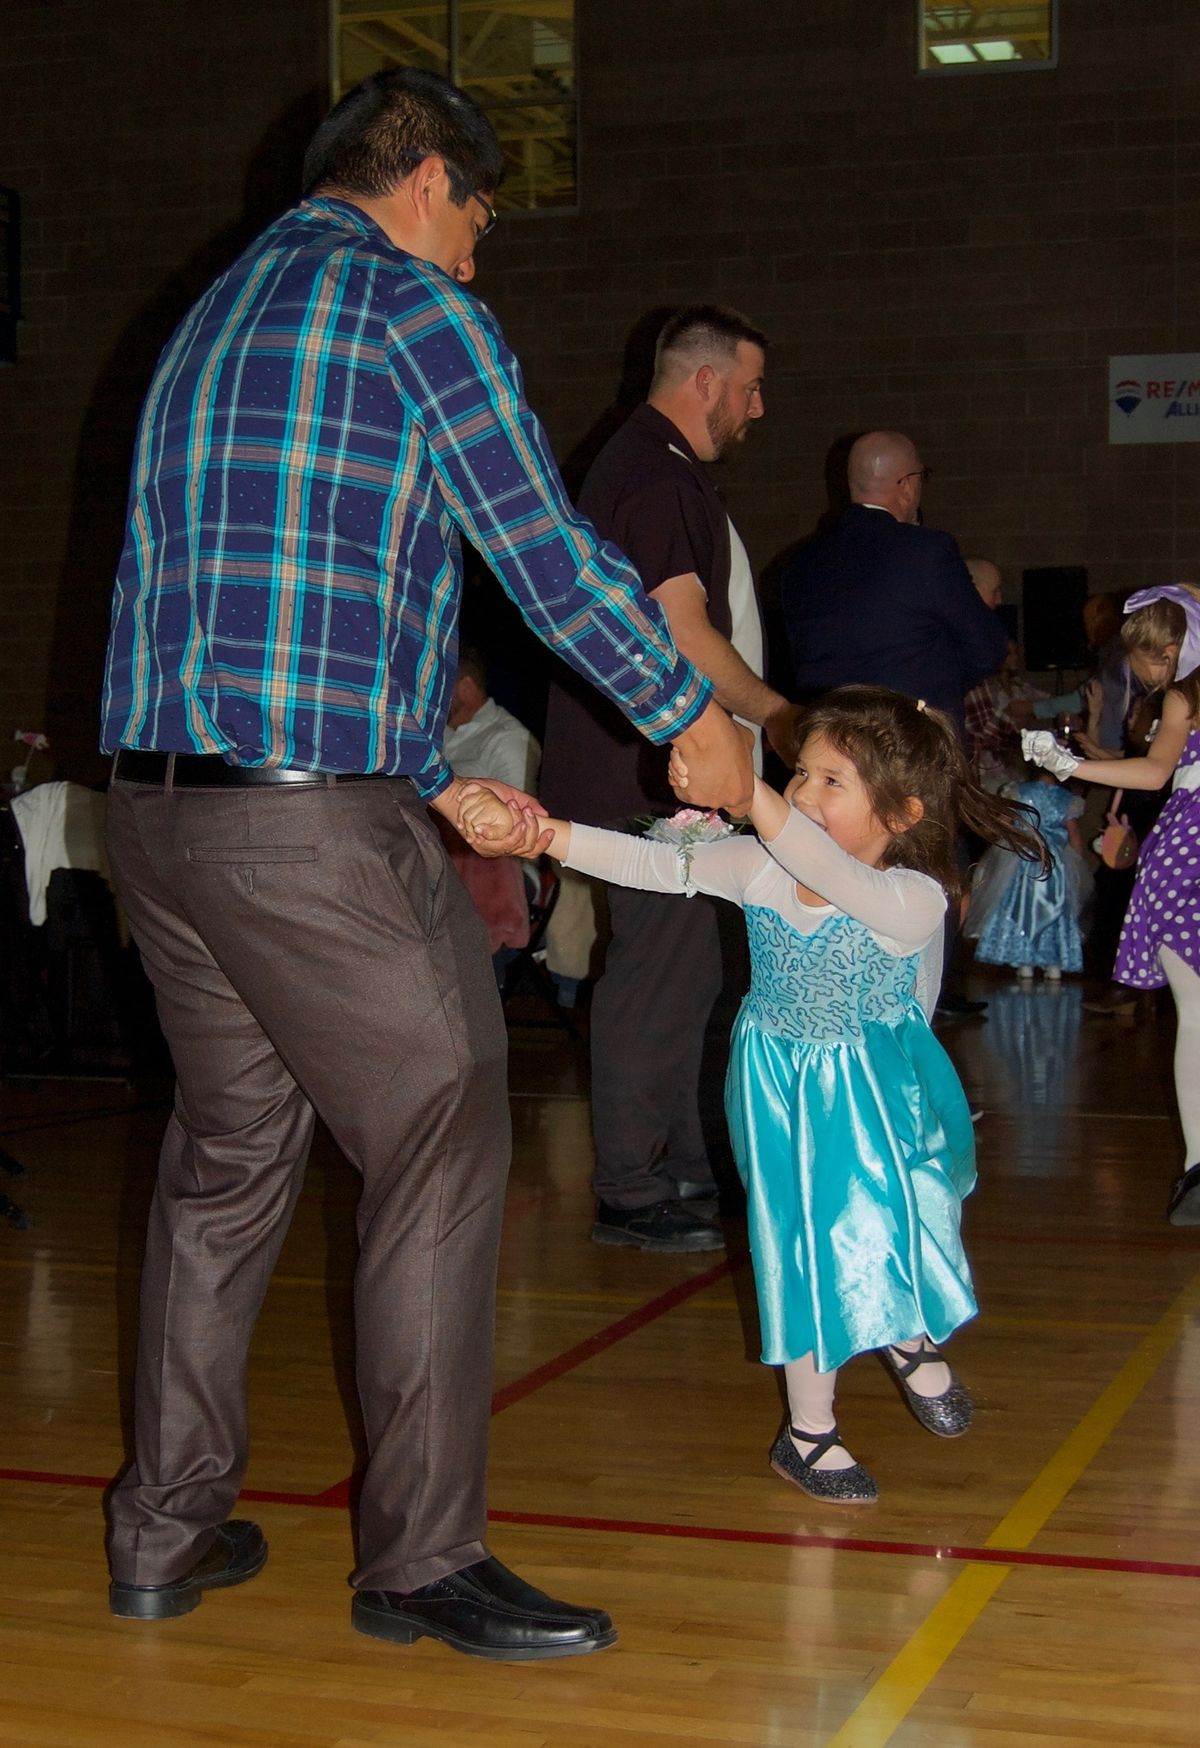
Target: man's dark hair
{"x": 385, "y": 127}
{"x": 702, "y": 333}
{"x": 473, "y": 663}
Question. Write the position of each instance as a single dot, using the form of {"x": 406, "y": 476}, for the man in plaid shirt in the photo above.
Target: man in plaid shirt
{"x": 323, "y": 425}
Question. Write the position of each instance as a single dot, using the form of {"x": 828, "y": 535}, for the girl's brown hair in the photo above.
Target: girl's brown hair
{"x": 901, "y": 749}
{"x": 1150, "y": 629}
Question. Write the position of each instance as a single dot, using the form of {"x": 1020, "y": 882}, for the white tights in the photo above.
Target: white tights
{"x": 810, "y": 1397}
{"x": 1185, "y": 987}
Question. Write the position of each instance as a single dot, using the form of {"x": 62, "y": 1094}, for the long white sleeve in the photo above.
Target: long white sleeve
{"x": 723, "y": 869}
{"x": 897, "y": 902}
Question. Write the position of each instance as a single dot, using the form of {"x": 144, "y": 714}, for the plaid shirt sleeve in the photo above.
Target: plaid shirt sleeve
{"x": 989, "y": 736}
{"x": 326, "y": 419}
{"x": 500, "y": 485}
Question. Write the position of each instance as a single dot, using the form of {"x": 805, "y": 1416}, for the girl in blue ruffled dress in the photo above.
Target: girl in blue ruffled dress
{"x": 849, "y": 1126}
{"x": 1020, "y": 916}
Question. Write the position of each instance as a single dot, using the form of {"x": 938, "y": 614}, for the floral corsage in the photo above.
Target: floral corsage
{"x": 687, "y": 828}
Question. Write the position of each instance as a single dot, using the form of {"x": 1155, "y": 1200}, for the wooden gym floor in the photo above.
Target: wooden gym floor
{"x": 1036, "y": 1583}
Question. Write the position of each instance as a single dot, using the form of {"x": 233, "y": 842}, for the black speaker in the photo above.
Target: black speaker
{"x": 1052, "y": 610}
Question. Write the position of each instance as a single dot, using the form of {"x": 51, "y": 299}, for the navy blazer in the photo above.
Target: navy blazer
{"x": 890, "y": 603}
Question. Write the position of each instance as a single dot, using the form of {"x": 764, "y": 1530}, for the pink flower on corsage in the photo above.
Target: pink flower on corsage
{"x": 686, "y": 828}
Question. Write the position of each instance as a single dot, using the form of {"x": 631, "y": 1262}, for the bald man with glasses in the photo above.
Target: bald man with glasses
{"x": 879, "y": 598}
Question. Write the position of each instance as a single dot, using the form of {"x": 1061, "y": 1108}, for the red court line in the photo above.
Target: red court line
{"x": 846, "y": 1544}
{"x": 611, "y": 1334}
{"x": 520, "y": 1388}
{"x": 616, "y": 1526}
{"x": 339, "y": 1493}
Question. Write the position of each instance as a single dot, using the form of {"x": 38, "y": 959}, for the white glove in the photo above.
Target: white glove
{"x": 1040, "y": 748}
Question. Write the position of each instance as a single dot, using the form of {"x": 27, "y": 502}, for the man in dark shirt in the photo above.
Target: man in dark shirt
{"x": 648, "y": 492}
{"x": 878, "y": 598}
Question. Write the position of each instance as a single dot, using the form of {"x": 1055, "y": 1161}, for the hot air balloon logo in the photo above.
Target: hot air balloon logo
{"x": 1128, "y": 395}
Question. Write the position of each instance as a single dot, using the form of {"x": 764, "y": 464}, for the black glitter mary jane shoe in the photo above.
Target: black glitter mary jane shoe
{"x": 948, "y": 1415}
{"x": 853, "y": 1486}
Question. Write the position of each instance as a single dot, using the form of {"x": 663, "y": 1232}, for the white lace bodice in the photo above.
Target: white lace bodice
{"x": 874, "y": 916}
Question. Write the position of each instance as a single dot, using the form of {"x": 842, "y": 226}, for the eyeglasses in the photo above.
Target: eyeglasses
{"x": 921, "y": 473}
{"x": 491, "y": 216}
{"x": 490, "y": 213}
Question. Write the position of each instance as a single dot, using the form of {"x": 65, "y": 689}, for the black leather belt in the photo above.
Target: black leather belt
{"x": 210, "y": 771}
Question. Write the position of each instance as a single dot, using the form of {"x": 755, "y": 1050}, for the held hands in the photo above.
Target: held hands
{"x": 717, "y": 762}
{"x": 1041, "y": 748}
{"x": 496, "y": 819}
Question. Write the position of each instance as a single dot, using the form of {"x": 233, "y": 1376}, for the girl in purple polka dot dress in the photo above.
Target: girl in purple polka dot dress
{"x": 1160, "y": 942}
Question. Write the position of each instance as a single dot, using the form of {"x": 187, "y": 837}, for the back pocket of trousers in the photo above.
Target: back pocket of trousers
{"x": 254, "y": 855}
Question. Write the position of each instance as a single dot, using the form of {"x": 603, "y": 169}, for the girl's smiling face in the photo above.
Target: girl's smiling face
{"x": 828, "y": 790}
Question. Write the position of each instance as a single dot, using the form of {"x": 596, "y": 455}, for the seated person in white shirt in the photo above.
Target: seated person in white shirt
{"x": 483, "y": 739}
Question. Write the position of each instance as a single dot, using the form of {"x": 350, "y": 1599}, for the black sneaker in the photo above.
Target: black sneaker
{"x": 665, "y": 1226}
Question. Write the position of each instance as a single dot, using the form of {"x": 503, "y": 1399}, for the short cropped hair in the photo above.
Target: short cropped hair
{"x": 473, "y": 664}
{"x": 386, "y": 126}
{"x": 702, "y": 333}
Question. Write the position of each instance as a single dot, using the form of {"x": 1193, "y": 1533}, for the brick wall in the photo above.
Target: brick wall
{"x": 147, "y": 143}
{"x": 954, "y": 256}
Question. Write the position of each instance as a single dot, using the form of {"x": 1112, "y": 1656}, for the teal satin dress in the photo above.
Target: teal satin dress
{"x": 854, "y": 1141}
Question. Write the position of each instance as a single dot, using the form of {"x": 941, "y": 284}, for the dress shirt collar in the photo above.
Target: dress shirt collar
{"x": 348, "y": 216}
{"x": 664, "y": 429}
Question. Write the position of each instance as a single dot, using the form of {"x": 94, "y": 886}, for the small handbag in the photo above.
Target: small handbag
{"x": 1118, "y": 844}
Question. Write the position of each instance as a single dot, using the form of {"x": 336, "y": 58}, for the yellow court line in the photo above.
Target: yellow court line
{"x": 879, "y": 1715}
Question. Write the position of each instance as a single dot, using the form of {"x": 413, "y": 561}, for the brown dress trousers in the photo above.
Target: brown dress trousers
{"x": 311, "y": 949}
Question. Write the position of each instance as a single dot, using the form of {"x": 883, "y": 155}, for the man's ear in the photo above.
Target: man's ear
{"x": 424, "y": 182}
{"x": 706, "y": 382}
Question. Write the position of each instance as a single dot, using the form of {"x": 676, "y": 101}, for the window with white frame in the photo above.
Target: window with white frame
{"x": 516, "y": 58}
{"x": 970, "y": 36}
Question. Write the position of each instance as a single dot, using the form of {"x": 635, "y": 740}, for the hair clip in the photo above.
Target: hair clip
{"x": 920, "y": 704}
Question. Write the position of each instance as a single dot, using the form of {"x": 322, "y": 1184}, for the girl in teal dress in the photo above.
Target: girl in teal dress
{"x": 849, "y": 1125}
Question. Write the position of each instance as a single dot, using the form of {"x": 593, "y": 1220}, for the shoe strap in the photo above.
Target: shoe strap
{"x": 926, "y": 1355}
{"x": 820, "y": 1442}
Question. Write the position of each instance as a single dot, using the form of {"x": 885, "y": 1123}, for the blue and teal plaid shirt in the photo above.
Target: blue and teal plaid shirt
{"x": 320, "y": 428}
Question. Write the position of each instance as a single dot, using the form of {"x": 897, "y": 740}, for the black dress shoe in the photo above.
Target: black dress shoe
{"x": 957, "y": 1007}
{"x": 237, "y": 1554}
{"x": 687, "y": 1191}
{"x": 663, "y": 1226}
{"x": 486, "y": 1611}
{"x": 1183, "y": 1209}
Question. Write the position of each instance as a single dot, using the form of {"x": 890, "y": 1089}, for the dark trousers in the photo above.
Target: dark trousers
{"x": 310, "y": 947}
{"x": 662, "y": 974}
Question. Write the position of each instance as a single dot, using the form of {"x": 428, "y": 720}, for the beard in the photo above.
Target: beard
{"x": 723, "y": 429}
